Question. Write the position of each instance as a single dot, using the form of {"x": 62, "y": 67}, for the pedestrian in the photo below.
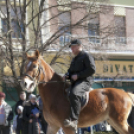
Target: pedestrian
{"x": 18, "y": 122}
{"x": 31, "y": 115}
{"x": 21, "y": 101}
{"x": 60, "y": 131}
{"x": 43, "y": 122}
{"x": 6, "y": 115}
{"x": 131, "y": 117}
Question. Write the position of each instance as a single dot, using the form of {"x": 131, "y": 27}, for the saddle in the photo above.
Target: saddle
{"x": 85, "y": 97}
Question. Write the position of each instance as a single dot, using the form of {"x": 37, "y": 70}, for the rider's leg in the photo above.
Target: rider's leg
{"x": 75, "y": 101}
{"x": 75, "y": 106}
{"x": 76, "y": 93}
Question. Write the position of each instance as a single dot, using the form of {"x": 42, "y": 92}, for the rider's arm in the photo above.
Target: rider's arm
{"x": 68, "y": 73}
{"x": 89, "y": 67}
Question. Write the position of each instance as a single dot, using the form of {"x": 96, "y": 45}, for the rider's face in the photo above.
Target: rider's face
{"x": 76, "y": 49}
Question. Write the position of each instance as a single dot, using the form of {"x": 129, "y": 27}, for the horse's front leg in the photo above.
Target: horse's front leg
{"x": 51, "y": 129}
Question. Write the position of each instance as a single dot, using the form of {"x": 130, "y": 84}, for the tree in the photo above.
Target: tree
{"x": 48, "y": 25}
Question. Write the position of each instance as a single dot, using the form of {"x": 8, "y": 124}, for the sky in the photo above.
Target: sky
{"x": 123, "y": 2}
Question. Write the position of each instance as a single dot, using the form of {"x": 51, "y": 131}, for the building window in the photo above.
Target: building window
{"x": 93, "y": 29}
{"x": 120, "y": 29}
{"x": 65, "y": 35}
{"x": 64, "y": 28}
{"x": 17, "y": 29}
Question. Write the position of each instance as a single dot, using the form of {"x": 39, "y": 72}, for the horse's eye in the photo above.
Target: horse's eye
{"x": 34, "y": 66}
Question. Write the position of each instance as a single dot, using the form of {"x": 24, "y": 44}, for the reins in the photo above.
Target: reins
{"x": 44, "y": 82}
{"x": 53, "y": 82}
{"x": 38, "y": 75}
{"x": 36, "y": 78}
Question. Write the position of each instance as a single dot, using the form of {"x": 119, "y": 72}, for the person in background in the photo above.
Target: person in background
{"x": 60, "y": 131}
{"x": 43, "y": 122}
{"x": 131, "y": 117}
{"x": 18, "y": 121}
{"x": 21, "y": 101}
{"x": 6, "y": 115}
{"x": 31, "y": 115}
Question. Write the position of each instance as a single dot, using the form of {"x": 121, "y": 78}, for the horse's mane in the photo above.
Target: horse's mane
{"x": 41, "y": 58}
{"x": 56, "y": 76}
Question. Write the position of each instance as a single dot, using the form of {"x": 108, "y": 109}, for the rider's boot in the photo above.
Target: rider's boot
{"x": 71, "y": 123}
{"x": 74, "y": 112}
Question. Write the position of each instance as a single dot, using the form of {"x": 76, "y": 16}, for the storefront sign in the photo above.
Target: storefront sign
{"x": 112, "y": 68}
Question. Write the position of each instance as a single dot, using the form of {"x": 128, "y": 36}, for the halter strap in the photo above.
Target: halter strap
{"x": 38, "y": 75}
{"x": 29, "y": 77}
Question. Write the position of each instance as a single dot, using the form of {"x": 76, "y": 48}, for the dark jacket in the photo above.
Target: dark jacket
{"x": 131, "y": 118}
{"x": 20, "y": 124}
{"x": 30, "y": 128}
{"x": 43, "y": 122}
{"x": 83, "y": 65}
{"x": 9, "y": 114}
{"x": 19, "y": 103}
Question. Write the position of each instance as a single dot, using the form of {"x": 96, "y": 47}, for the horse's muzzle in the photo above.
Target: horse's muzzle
{"x": 27, "y": 84}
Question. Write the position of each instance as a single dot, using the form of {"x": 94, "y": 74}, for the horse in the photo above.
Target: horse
{"x": 109, "y": 104}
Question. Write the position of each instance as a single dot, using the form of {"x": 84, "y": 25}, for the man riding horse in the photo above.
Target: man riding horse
{"x": 80, "y": 74}
{"x": 110, "y": 104}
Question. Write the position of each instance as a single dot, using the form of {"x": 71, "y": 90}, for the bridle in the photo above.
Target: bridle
{"x": 41, "y": 82}
{"x": 38, "y": 75}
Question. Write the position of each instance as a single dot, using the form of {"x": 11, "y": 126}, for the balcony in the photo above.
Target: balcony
{"x": 121, "y": 40}
{"x": 94, "y": 39}
{"x": 64, "y": 40}
{"x": 119, "y": 44}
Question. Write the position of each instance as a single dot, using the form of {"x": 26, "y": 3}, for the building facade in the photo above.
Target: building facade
{"x": 107, "y": 33}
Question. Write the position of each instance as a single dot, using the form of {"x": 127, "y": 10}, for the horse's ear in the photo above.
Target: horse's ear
{"x": 37, "y": 53}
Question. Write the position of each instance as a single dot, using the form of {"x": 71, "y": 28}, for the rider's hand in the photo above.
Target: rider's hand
{"x": 74, "y": 77}
{"x": 64, "y": 77}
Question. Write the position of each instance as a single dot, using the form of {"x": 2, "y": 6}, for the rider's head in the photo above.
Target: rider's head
{"x": 76, "y": 46}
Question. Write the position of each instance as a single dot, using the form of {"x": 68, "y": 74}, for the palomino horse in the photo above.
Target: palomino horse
{"x": 110, "y": 104}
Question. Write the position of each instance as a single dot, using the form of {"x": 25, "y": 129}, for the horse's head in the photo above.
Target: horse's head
{"x": 32, "y": 73}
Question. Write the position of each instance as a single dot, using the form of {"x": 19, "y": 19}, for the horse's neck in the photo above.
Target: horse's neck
{"x": 52, "y": 90}
{"x": 47, "y": 69}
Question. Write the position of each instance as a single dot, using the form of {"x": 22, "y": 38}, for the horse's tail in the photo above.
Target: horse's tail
{"x": 131, "y": 96}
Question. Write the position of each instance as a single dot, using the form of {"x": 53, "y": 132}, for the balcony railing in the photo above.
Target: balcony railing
{"x": 109, "y": 43}
{"x": 94, "y": 39}
{"x": 63, "y": 40}
{"x": 120, "y": 40}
